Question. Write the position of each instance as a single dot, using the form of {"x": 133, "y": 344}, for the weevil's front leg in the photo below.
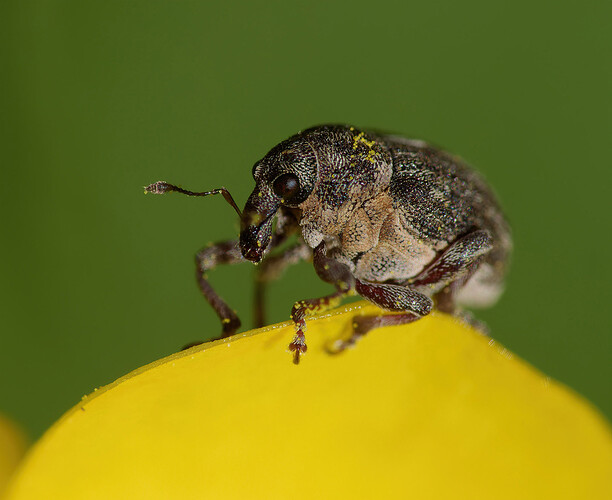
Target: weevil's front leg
{"x": 301, "y": 310}
{"x": 270, "y": 269}
{"x": 453, "y": 269}
{"x": 333, "y": 272}
{"x": 227, "y": 252}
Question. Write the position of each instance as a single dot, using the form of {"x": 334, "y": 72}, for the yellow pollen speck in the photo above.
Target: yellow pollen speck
{"x": 359, "y": 138}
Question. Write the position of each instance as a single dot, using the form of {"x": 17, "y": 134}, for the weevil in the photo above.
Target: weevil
{"x": 397, "y": 221}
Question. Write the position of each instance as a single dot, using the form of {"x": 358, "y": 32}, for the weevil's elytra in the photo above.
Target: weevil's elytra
{"x": 401, "y": 223}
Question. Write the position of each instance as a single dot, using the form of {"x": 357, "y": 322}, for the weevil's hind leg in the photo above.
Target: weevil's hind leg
{"x": 453, "y": 269}
{"x": 227, "y": 252}
{"x": 445, "y": 298}
{"x": 270, "y": 269}
{"x": 363, "y": 324}
{"x": 405, "y": 306}
{"x": 330, "y": 271}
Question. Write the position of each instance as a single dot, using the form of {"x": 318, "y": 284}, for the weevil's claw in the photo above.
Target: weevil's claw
{"x": 298, "y": 346}
{"x": 159, "y": 187}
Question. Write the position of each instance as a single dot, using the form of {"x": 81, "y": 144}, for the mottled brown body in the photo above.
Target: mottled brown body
{"x": 397, "y": 221}
{"x": 389, "y": 206}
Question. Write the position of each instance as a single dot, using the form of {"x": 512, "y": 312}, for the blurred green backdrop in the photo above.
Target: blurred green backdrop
{"x": 101, "y": 98}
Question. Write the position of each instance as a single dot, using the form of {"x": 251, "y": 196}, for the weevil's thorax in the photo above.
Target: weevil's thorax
{"x": 353, "y": 174}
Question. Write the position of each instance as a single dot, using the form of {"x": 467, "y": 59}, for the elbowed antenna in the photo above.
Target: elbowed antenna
{"x": 161, "y": 187}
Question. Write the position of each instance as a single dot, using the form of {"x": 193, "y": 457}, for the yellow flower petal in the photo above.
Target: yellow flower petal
{"x": 12, "y": 449}
{"x": 428, "y": 410}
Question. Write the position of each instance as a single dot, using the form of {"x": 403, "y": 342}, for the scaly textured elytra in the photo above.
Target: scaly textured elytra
{"x": 399, "y": 222}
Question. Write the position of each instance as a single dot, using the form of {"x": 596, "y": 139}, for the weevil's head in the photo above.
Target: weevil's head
{"x": 284, "y": 177}
{"x": 324, "y": 173}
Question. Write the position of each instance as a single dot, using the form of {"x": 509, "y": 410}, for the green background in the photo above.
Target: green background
{"x": 102, "y": 98}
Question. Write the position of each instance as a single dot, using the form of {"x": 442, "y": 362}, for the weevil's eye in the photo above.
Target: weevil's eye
{"x": 286, "y": 186}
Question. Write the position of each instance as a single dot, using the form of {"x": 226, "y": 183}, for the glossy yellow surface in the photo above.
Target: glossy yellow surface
{"x": 428, "y": 410}
{"x": 13, "y": 444}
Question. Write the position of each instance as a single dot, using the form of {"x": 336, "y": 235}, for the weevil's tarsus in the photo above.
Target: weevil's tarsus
{"x": 304, "y": 308}
{"x": 298, "y": 347}
{"x": 161, "y": 187}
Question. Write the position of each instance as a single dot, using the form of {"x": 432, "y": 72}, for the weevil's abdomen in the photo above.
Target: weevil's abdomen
{"x": 441, "y": 199}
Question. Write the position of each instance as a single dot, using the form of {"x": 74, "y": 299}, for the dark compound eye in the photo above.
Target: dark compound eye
{"x": 286, "y": 186}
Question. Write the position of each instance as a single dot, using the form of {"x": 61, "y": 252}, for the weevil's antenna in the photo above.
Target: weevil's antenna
{"x": 161, "y": 187}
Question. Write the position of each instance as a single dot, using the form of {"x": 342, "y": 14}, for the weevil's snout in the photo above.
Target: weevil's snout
{"x": 256, "y": 226}
{"x": 251, "y": 246}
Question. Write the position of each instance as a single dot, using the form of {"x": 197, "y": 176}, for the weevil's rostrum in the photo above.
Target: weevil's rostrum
{"x": 399, "y": 222}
